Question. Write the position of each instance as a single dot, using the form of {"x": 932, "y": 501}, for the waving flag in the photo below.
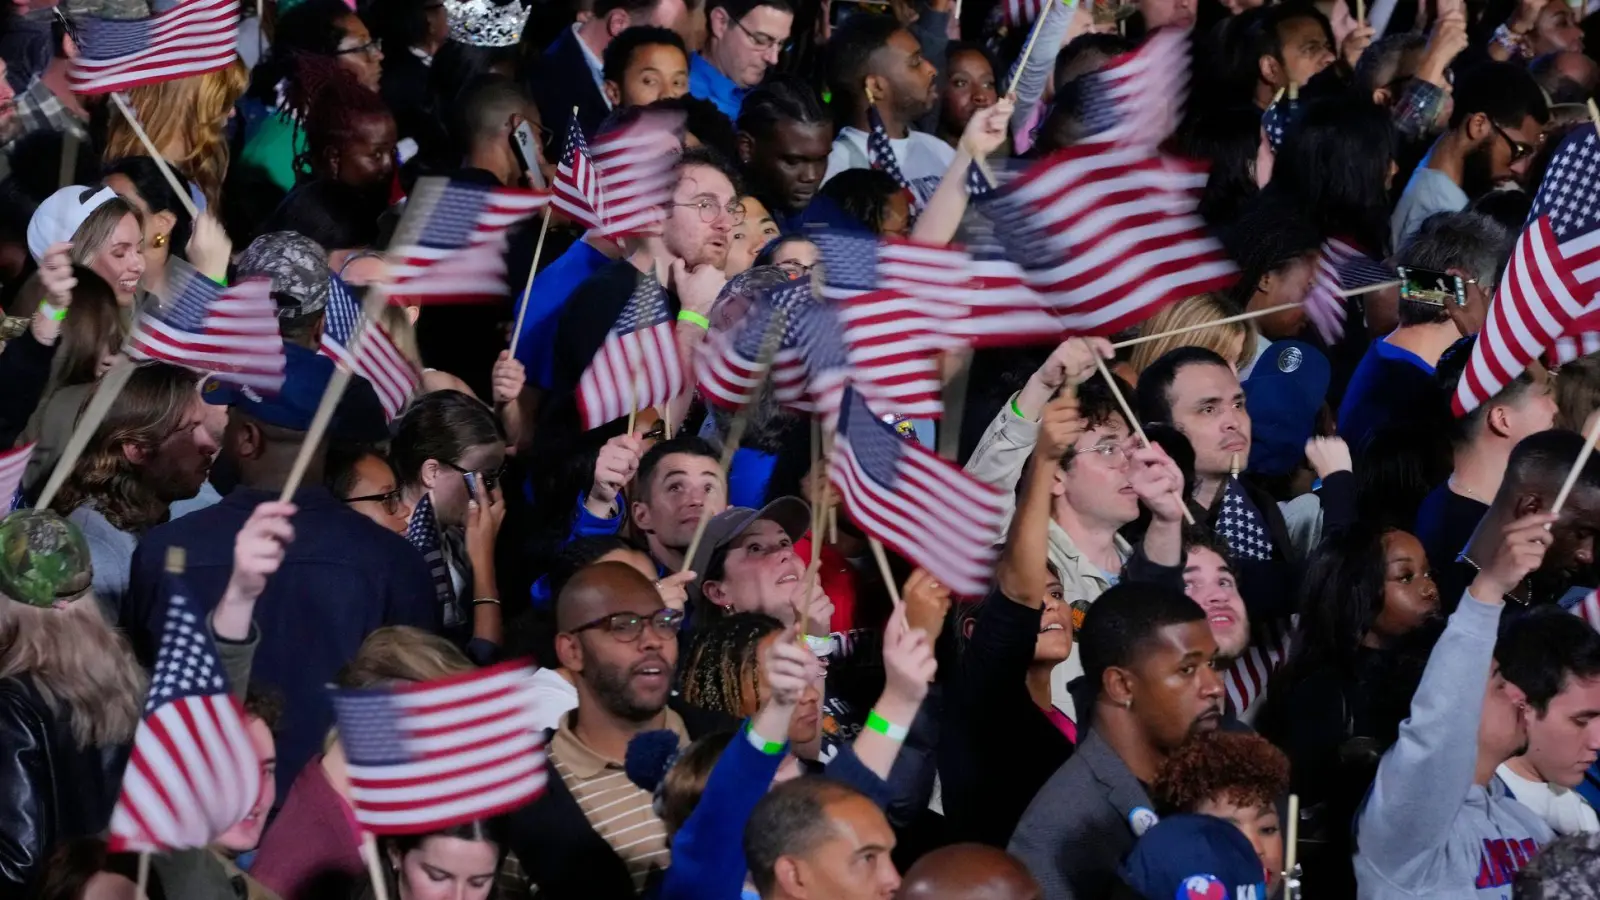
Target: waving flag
{"x": 229, "y": 331}
{"x": 637, "y": 366}
{"x": 193, "y": 772}
{"x": 1550, "y": 280}
{"x": 577, "y": 185}
{"x": 1578, "y": 345}
{"x": 1246, "y": 677}
{"x": 729, "y": 372}
{"x": 422, "y": 531}
{"x": 190, "y": 39}
{"x": 1018, "y": 13}
{"x": 636, "y": 162}
{"x": 13, "y": 464}
{"x": 880, "y": 153}
{"x": 1114, "y": 102}
{"x": 450, "y": 245}
{"x": 425, "y": 757}
{"x": 926, "y": 508}
{"x": 1342, "y": 269}
{"x": 393, "y": 377}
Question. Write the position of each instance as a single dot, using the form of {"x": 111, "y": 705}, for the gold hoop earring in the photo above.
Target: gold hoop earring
{"x": 159, "y": 241}
{"x": 872, "y": 97}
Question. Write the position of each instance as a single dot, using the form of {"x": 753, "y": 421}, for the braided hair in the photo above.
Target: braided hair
{"x": 724, "y": 660}
{"x": 327, "y": 101}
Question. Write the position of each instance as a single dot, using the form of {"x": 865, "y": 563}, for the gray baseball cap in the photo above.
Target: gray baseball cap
{"x": 298, "y": 267}
{"x": 792, "y": 514}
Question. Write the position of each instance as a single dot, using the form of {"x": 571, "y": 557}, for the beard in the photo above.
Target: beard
{"x": 1477, "y": 171}
{"x": 612, "y": 686}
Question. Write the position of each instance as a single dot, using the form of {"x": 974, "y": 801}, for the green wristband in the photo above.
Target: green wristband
{"x": 51, "y": 311}
{"x": 1015, "y": 409}
{"x": 770, "y": 748}
{"x": 885, "y": 727}
{"x": 694, "y": 318}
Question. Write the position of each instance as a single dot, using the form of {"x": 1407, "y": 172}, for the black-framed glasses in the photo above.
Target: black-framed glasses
{"x": 370, "y": 48}
{"x": 709, "y": 210}
{"x": 389, "y": 499}
{"x": 491, "y": 480}
{"x": 627, "y": 626}
{"x": 762, "y": 40}
{"x": 1519, "y": 149}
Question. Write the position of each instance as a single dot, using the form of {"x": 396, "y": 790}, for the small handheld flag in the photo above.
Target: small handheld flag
{"x": 450, "y": 244}
{"x": 190, "y": 39}
{"x": 637, "y": 366}
{"x": 230, "y": 331}
{"x": 380, "y": 362}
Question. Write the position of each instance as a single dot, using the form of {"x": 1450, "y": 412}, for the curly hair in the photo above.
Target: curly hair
{"x": 724, "y": 660}
{"x": 329, "y": 101}
{"x": 1241, "y": 767}
{"x": 187, "y": 115}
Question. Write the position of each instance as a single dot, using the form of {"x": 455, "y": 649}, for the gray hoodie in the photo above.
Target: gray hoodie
{"x": 1426, "y": 830}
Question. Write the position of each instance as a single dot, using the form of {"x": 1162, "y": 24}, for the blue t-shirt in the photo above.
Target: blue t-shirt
{"x": 1389, "y": 384}
{"x": 708, "y": 83}
{"x": 552, "y": 287}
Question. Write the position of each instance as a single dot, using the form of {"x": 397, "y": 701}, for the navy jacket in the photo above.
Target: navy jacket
{"x": 343, "y": 577}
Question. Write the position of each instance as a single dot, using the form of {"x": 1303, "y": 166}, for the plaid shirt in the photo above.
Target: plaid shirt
{"x": 1416, "y": 113}
{"x": 39, "y": 109}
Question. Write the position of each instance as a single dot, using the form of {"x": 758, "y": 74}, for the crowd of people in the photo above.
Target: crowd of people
{"x": 1244, "y": 559}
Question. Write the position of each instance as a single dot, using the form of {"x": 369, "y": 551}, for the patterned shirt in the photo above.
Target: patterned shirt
{"x": 1416, "y": 112}
{"x": 39, "y": 109}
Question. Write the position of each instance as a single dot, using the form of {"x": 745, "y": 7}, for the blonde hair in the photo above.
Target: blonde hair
{"x": 400, "y": 653}
{"x": 81, "y": 666}
{"x": 402, "y": 333}
{"x": 189, "y": 113}
{"x": 98, "y": 227}
{"x": 1230, "y": 341}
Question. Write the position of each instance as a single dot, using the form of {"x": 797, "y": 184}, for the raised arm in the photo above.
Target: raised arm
{"x": 986, "y": 131}
{"x": 258, "y": 552}
{"x": 1024, "y": 564}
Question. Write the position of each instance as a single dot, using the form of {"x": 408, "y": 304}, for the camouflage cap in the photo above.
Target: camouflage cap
{"x": 298, "y": 267}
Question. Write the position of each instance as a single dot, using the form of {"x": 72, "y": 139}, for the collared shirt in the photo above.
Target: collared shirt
{"x": 707, "y": 82}
{"x": 596, "y": 64}
{"x": 39, "y": 109}
{"x": 620, "y": 811}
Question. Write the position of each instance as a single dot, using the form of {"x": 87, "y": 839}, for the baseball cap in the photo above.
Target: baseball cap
{"x": 61, "y": 214}
{"x": 792, "y": 514}
{"x": 1192, "y": 857}
{"x": 305, "y": 378}
{"x": 298, "y": 267}
{"x": 1284, "y": 393}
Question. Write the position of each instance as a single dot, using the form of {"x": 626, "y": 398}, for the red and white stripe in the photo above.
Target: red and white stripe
{"x": 1247, "y": 677}
{"x": 630, "y": 372}
{"x": 637, "y": 166}
{"x": 424, "y": 269}
{"x": 393, "y": 377}
{"x": 893, "y": 350}
{"x": 13, "y": 463}
{"x": 190, "y": 39}
{"x": 238, "y": 341}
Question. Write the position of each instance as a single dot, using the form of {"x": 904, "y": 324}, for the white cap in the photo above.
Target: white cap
{"x": 58, "y": 217}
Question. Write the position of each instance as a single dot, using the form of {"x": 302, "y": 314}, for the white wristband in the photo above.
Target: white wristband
{"x": 820, "y": 645}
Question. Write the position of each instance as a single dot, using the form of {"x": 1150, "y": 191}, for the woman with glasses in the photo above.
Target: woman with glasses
{"x": 364, "y": 481}
{"x": 449, "y": 453}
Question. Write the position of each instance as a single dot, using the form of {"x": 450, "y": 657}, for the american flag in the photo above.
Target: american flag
{"x": 880, "y": 153}
{"x": 450, "y": 244}
{"x": 193, "y": 772}
{"x": 636, "y": 162}
{"x": 729, "y": 371}
{"x": 1588, "y": 609}
{"x": 190, "y": 39}
{"x": 427, "y": 756}
{"x": 1277, "y": 119}
{"x": 1577, "y": 345}
{"x": 926, "y": 508}
{"x": 13, "y": 464}
{"x": 380, "y": 362}
{"x": 1018, "y": 13}
{"x": 1550, "y": 280}
{"x": 423, "y": 533}
{"x": 1115, "y": 101}
{"x": 1246, "y": 678}
{"x": 637, "y": 366}
{"x": 1342, "y": 268}
{"x": 230, "y": 331}
{"x": 1240, "y": 524}
{"x": 577, "y": 186}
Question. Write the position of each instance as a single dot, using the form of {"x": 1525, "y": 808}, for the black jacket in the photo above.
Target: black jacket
{"x": 51, "y": 790}
{"x": 559, "y": 80}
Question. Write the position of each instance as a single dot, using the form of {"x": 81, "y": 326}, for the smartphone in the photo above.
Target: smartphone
{"x": 471, "y": 478}
{"x": 1432, "y": 288}
{"x": 524, "y": 143}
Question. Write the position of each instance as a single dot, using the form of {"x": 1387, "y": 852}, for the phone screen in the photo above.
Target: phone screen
{"x": 523, "y": 144}
{"x": 1432, "y": 288}
{"x": 471, "y": 479}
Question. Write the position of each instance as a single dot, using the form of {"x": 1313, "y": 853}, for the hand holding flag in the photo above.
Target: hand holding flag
{"x": 229, "y": 331}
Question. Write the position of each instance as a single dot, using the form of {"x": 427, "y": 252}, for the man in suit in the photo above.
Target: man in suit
{"x": 555, "y": 81}
{"x": 1150, "y": 656}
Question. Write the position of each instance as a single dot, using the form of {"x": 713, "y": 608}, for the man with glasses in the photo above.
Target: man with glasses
{"x": 1495, "y": 130}
{"x": 745, "y": 39}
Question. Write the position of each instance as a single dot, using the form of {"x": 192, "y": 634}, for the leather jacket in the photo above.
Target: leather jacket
{"x": 51, "y": 790}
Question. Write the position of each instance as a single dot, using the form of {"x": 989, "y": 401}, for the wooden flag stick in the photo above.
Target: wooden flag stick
{"x": 819, "y": 500}
{"x": 377, "y": 297}
{"x": 1577, "y": 467}
{"x": 730, "y": 444}
{"x": 369, "y": 847}
{"x": 1243, "y": 317}
{"x": 1033, "y": 38}
{"x": 883, "y": 569}
{"x": 1361, "y": 12}
{"x": 1291, "y": 879}
{"x": 144, "y": 876}
{"x": 155, "y": 154}
{"x": 105, "y": 394}
{"x": 954, "y": 402}
{"x": 527, "y": 292}
{"x": 1133, "y": 422}
{"x": 1594, "y": 114}
{"x": 633, "y": 400}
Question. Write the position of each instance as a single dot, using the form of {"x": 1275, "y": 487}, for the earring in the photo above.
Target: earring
{"x": 159, "y": 241}
{"x": 872, "y": 96}
{"x": 1128, "y": 703}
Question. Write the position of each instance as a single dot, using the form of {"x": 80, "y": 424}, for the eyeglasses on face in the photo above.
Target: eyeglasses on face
{"x": 370, "y": 48}
{"x": 389, "y": 499}
{"x": 763, "y": 41}
{"x": 1119, "y": 454}
{"x": 710, "y": 210}
{"x": 627, "y": 626}
{"x": 1520, "y": 150}
{"x": 491, "y": 480}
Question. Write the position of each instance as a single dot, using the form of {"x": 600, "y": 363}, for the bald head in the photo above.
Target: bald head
{"x": 969, "y": 872}
{"x": 601, "y": 589}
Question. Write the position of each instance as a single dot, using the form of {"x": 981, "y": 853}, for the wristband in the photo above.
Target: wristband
{"x": 694, "y": 318}
{"x": 494, "y": 600}
{"x": 769, "y": 748}
{"x": 820, "y": 645}
{"x": 886, "y": 728}
{"x": 51, "y": 311}
{"x": 1017, "y": 410}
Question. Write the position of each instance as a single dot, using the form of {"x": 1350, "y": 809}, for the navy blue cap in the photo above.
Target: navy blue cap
{"x": 1285, "y": 392}
{"x": 1190, "y": 857}
{"x": 305, "y": 378}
